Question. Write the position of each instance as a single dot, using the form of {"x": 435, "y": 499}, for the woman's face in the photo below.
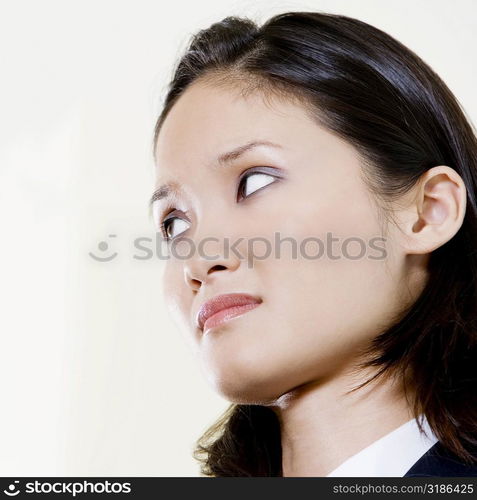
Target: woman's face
{"x": 316, "y": 312}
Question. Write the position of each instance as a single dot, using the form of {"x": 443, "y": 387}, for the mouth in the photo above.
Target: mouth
{"x": 226, "y": 314}
{"x": 222, "y": 308}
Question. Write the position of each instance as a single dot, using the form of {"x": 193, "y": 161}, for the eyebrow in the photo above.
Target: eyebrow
{"x": 223, "y": 159}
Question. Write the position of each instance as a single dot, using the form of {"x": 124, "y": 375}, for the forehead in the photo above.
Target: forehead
{"x": 208, "y": 120}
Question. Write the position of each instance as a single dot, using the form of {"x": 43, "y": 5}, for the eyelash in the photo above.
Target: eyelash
{"x": 163, "y": 225}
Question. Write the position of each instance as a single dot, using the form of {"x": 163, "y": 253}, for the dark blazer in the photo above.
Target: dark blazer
{"x": 440, "y": 462}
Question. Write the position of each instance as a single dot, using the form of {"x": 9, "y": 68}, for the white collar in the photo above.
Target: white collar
{"x": 391, "y": 455}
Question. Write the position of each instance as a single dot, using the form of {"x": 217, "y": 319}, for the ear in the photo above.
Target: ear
{"x": 436, "y": 212}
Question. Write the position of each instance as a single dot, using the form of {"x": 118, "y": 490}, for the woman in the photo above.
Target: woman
{"x": 351, "y": 348}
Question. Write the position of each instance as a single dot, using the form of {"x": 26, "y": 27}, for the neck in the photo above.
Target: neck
{"x": 322, "y": 426}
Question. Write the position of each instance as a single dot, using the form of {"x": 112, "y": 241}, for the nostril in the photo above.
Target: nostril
{"x": 196, "y": 283}
{"x": 217, "y": 267}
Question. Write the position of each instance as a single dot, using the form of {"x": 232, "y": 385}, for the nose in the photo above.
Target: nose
{"x": 206, "y": 261}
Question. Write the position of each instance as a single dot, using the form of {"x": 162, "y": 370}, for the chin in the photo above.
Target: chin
{"x": 240, "y": 393}
{"x": 244, "y": 385}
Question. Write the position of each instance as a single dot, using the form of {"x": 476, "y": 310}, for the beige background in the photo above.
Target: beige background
{"x": 95, "y": 378}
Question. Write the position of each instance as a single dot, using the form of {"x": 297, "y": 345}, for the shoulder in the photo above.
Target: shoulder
{"x": 438, "y": 461}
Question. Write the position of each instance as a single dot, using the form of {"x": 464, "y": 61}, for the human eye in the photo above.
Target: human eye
{"x": 254, "y": 180}
{"x": 172, "y": 224}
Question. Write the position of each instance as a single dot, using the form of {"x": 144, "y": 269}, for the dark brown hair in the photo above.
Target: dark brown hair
{"x": 378, "y": 95}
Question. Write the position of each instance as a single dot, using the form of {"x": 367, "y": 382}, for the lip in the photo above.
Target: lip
{"x": 224, "y": 307}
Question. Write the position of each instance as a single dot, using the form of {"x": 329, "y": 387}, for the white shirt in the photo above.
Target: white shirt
{"x": 390, "y": 456}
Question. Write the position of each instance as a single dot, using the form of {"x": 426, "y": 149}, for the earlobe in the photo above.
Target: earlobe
{"x": 440, "y": 205}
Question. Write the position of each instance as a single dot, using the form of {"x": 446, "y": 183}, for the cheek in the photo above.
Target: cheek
{"x": 338, "y": 289}
{"x": 169, "y": 282}
{"x": 323, "y": 310}
{"x": 177, "y": 302}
